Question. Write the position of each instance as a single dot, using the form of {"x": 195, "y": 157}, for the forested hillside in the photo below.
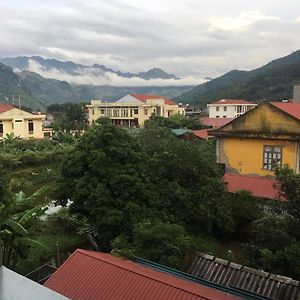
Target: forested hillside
{"x": 274, "y": 81}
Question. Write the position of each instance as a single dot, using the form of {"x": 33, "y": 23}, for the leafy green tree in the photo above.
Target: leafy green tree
{"x": 105, "y": 179}
{"x": 188, "y": 181}
{"x": 68, "y": 116}
{"x": 163, "y": 243}
{"x": 175, "y": 121}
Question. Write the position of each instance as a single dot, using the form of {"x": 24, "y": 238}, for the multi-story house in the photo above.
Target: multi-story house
{"x": 252, "y": 145}
{"x": 20, "y": 123}
{"x": 133, "y": 110}
{"x": 227, "y": 108}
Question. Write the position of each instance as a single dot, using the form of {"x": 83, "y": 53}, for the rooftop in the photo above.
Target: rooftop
{"x": 257, "y": 282}
{"x": 5, "y": 107}
{"x": 143, "y": 98}
{"x": 95, "y": 275}
{"x": 291, "y": 108}
{"x": 16, "y": 287}
{"x": 261, "y": 187}
{"x": 215, "y": 122}
{"x": 202, "y": 133}
{"x": 232, "y": 101}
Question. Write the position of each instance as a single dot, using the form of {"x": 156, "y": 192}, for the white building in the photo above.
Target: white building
{"x": 228, "y": 108}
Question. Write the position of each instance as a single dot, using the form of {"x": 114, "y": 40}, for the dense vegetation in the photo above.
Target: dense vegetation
{"x": 11, "y": 84}
{"x": 273, "y": 81}
{"x": 146, "y": 194}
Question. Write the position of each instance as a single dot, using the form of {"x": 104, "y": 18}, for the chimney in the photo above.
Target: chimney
{"x": 296, "y": 95}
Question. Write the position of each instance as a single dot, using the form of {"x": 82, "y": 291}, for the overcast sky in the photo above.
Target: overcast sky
{"x": 190, "y": 38}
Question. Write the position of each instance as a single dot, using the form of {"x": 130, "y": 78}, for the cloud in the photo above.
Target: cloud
{"x": 190, "y": 38}
{"x": 242, "y": 22}
{"x": 92, "y": 76}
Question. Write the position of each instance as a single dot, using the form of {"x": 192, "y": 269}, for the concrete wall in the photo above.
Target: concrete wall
{"x": 15, "y": 121}
{"x": 245, "y": 156}
{"x": 296, "y": 96}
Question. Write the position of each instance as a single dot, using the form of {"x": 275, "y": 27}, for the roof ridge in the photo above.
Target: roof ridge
{"x": 144, "y": 275}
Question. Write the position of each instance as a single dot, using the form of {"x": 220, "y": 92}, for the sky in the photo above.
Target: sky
{"x": 193, "y": 39}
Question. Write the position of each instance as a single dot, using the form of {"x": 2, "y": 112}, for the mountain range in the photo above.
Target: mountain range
{"x": 273, "y": 81}
{"x": 37, "y": 91}
{"x": 24, "y": 63}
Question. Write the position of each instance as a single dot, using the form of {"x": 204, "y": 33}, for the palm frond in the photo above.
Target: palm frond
{"x": 15, "y": 226}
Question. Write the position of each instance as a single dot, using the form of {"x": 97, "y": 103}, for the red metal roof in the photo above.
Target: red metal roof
{"x": 292, "y": 108}
{"x": 143, "y": 98}
{"x": 5, "y": 107}
{"x": 95, "y": 275}
{"x": 215, "y": 122}
{"x": 262, "y": 187}
{"x": 202, "y": 134}
{"x": 232, "y": 101}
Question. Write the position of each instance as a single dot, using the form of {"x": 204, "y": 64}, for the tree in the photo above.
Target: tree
{"x": 17, "y": 215}
{"x": 163, "y": 243}
{"x": 105, "y": 179}
{"x": 188, "y": 181}
{"x": 175, "y": 121}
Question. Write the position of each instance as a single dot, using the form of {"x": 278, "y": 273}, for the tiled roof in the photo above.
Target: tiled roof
{"x": 262, "y": 187}
{"x": 243, "y": 278}
{"x": 95, "y": 275}
{"x": 202, "y": 133}
{"x": 143, "y": 98}
{"x": 292, "y": 108}
{"x": 5, "y": 107}
{"x": 232, "y": 101}
{"x": 215, "y": 122}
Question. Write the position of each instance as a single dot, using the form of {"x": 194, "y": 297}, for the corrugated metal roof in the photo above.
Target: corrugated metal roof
{"x": 215, "y": 122}
{"x": 16, "y": 287}
{"x": 261, "y": 187}
{"x": 180, "y": 131}
{"x": 202, "y": 133}
{"x": 95, "y": 275}
{"x": 291, "y": 108}
{"x": 234, "y": 275}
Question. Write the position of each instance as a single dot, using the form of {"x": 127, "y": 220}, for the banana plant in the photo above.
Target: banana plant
{"x": 17, "y": 216}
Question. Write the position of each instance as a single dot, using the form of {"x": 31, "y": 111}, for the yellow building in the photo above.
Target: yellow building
{"x": 20, "y": 123}
{"x": 133, "y": 109}
{"x": 266, "y": 136}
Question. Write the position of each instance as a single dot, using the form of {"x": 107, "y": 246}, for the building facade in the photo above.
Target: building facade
{"x": 227, "y": 108}
{"x": 266, "y": 136}
{"x": 20, "y": 123}
{"x": 133, "y": 110}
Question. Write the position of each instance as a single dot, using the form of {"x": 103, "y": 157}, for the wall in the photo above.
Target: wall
{"x": 16, "y": 121}
{"x": 245, "y": 156}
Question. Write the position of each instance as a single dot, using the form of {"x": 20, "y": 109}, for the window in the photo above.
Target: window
{"x": 225, "y": 108}
{"x": 136, "y": 111}
{"x": 217, "y": 116}
{"x": 272, "y": 157}
{"x": 93, "y": 111}
{"x": 146, "y": 112}
{"x": 102, "y": 111}
{"x": 30, "y": 127}
{"x": 1, "y": 129}
{"x": 224, "y": 117}
{"x": 217, "y": 108}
